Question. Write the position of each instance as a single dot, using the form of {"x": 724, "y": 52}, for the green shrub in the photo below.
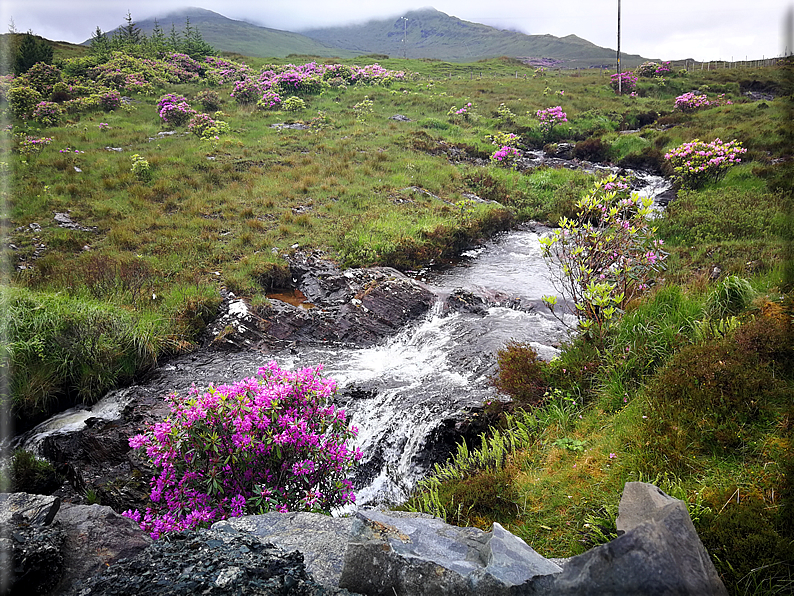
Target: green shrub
{"x": 722, "y": 214}
{"x": 293, "y": 104}
{"x": 520, "y": 374}
{"x": 731, "y": 296}
{"x": 750, "y": 549}
{"x": 713, "y": 409}
{"x": 23, "y": 100}
{"x": 30, "y": 474}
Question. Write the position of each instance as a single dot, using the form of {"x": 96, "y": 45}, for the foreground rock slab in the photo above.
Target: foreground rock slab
{"x": 409, "y": 553}
{"x": 322, "y": 539}
{"x": 657, "y": 552}
{"x": 212, "y": 562}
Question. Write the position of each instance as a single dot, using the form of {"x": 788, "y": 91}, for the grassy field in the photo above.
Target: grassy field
{"x": 698, "y": 402}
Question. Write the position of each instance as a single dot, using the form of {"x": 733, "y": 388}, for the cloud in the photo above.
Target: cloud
{"x": 706, "y": 30}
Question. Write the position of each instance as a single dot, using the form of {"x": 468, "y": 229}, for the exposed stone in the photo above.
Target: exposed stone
{"x": 321, "y": 539}
{"x": 658, "y": 553}
{"x": 559, "y": 150}
{"x": 209, "y": 562}
{"x": 96, "y": 537}
{"x": 31, "y": 510}
{"x": 354, "y": 307}
{"x": 30, "y": 546}
{"x": 409, "y": 553}
{"x": 31, "y": 559}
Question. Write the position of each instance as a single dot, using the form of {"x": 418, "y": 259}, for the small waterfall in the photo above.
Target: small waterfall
{"x": 400, "y": 394}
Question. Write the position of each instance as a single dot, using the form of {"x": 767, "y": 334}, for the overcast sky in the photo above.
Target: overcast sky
{"x": 674, "y": 29}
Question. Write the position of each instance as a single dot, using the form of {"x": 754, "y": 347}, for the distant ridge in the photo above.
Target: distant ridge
{"x": 434, "y": 34}
{"x": 239, "y": 37}
{"x": 430, "y": 34}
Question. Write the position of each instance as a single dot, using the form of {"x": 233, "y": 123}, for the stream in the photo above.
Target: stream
{"x": 409, "y": 394}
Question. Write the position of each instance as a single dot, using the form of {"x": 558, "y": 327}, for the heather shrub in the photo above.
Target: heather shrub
{"x": 209, "y": 100}
{"x": 592, "y": 149}
{"x": 48, "y": 113}
{"x": 270, "y": 444}
{"x": 749, "y": 543}
{"x": 110, "y": 100}
{"x": 713, "y": 409}
{"x": 604, "y": 257}
{"x": 520, "y": 374}
{"x": 696, "y": 163}
{"x": 22, "y": 100}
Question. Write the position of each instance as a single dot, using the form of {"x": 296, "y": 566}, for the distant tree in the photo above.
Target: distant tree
{"x": 100, "y": 44}
{"x": 31, "y": 50}
{"x": 193, "y": 43}
{"x": 174, "y": 41}
{"x": 157, "y": 44}
{"x": 130, "y": 34}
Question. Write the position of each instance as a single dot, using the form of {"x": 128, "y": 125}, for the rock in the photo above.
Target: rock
{"x": 321, "y": 539}
{"x": 96, "y": 536}
{"x": 355, "y": 307}
{"x": 30, "y": 546}
{"x": 31, "y": 559}
{"x": 210, "y": 562}
{"x": 410, "y": 553}
{"x": 31, "y": 510}
{"x": 659, "y": 552}
{"x": 559, "y": 150}
{"x": 400, "y": 118}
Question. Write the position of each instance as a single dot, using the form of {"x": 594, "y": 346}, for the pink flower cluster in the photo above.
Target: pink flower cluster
{"x": 653, "y": 69}
{"x": 506, "y": 156}
{"x": 307, "y": 79}
{"x": 697, "y": 162}
{"x": 174, "y": 109}
{"x": 549, "y": 118}
{"x": 628, "y": 81}
{"x": 689, "y": 102}
{"x": 276, "y": 443}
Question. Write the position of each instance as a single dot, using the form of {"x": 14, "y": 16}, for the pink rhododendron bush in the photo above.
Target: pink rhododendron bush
{"x": 697, "y": 162}
{"x": 270, "y": 444}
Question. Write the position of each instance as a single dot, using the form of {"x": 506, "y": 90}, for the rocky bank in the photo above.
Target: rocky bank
{"x": 90, "y": 551}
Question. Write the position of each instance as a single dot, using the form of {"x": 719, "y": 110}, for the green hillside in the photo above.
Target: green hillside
{"x": 433, "y": 34}
{"x": 243, "y": 38}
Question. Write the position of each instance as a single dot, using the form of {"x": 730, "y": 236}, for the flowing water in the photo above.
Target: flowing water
{"x": 405, "y": 393}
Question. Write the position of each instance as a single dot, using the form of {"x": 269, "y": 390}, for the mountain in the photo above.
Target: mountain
{"x": 243, "y": 38}
{"x": 430, "y": 33}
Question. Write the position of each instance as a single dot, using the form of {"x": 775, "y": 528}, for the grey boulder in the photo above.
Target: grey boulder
{"x": 410, "y": 553}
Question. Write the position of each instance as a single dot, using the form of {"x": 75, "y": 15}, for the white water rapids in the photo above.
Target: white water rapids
{"x": 402, "y": 393}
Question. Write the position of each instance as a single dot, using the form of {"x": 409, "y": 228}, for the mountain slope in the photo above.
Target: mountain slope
{"x": 230, "y": 35}
{"x": 434, "y": 34}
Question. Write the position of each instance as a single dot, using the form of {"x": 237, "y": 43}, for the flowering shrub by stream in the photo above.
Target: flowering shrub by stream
{"x": 274, "y": 444}
{"x": 697, "y": 162}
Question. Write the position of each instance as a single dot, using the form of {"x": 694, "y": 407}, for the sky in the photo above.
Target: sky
{"x": 671, "y": 30}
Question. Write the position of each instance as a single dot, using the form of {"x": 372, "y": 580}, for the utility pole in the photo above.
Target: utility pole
{"x": 620, "y": 87}
{"x": 405, "y": 35}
